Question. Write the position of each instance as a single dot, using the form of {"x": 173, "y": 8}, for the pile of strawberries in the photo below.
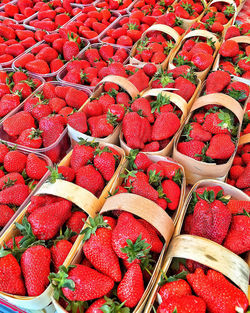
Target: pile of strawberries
{"x": 128, "y": 29}
{"x": 188, "y": 9}
{"x": 211, "y": 215}
{"x": 15, "y": 87}
{"x": 239, "y": 172}
{"x": 46, "y": 235}
{"x": 220, "y": 81}
{"x": 182, "y": 79}
{"x": 20, "y": 173}
{"x": 157, "y": 181}
{"x": 151, "y": 124}
{"x": 217, "y": 16}
{"x": 151, "y": 7}
{"x": 209, "y": 135}
{"x": 86, "y": 69}
{"x": 103, "y": 113}
{"x": 197, "y": 53}
{"x": 43, "y": 117}
{"x": 15, "y": 39}
{"x": 50, "y": 56}
{"x": 196, "y": 291}
{"x": 114, "y": 5}
{"x": 91, "y": 166}
{"x": 91, "y": 23}
{"x": 235, "y": 58}
{"x": 119, "y": 257}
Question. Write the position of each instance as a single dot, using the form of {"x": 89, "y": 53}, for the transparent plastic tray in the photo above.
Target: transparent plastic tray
{"x": 81, "y": 56}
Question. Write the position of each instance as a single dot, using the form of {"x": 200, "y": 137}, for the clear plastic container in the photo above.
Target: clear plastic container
{"x": 114, "y": 25}
{"x": 3, "y": 17}
{"x": 10, "y": 70}
{"x": 49, "y": 75}
{"x": 95, "y": 39}
{"x": 81, "y": 56}
{"x": 41, "y": 181}
{"x": 123, "y": 11}
{"x": 62, "y": 143}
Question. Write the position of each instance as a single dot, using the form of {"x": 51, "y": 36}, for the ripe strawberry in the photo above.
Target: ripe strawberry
{"x": 8, "y": 103}
{"x": 98, "y": 249}
{"x": 17, "y": 123}
{"x": 78, "y": 121}
{"x": 15, "y": 161}
{"x": 165, "y": 126}
{"x": 105, "y": 161}
{"x": 47, "y": 220}
{"x": 232, "y": 31}
{"x": 89, "y": 178}
{"x": 156, "y": 244}
{"x": 195, "y": 131}
{"x": 139, "y": 161}
{"x": 35, "y": 265}
{"x": 185, "y": 304}
{"x": 131, "y": 288}
{"x": 10, "y": 180}
{"x": 238, "y": 206}
{"x": 59, "y": 251}
{"x": 238, "y": 91}
{"x": 185, "y": 86}
{"x": 35, "y": 167}
{"x": 218, "y": 123}
{"x": 229, "y": 48}
{"x": 38, "y": 67}
{"x": 11, "y": 277}
{"x": 88, "y": 284}
{"x": 211, "y": 220}
{"x": 191, "y": 148}
{"x": 67, "y": 172}
{"x": 75, "y": 98}
{"x": 70, "y": 50}
{"x": 102, "y": 126}
{"x": 236, "y": 171}
{"x": 172, "y": 192}
{"x": 81, "y": 154}
{"x": 217, "y": 81}
{"x": 6, "y": 214}
{"x": 30, "y": 137}
{"x": 127, "y": 228}
{"x": 75, "y": 223}
{"x": 217, "y": 291}
{"x": 221, "y": 147}
{"x": 202, "y": 61}
{"x": 244, "y": 180}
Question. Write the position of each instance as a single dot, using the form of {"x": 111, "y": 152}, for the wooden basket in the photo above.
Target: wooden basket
{"x": 196, "y": 170}
{"x": 203, "y": 250}
{"x": 112, "y": 138}
{"x": 81, "y": 197}
{"x": 239, "y": 39}
{"x": 163, "y": 29}
{"x": 178, "y": 101}
{"x": 202, "y": 33}
{"x": 147, "y": 210}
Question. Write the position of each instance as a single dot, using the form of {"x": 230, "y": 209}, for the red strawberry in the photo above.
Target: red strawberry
{"x": 75, "y": 98}
{"x": 195, "y": 131}
{"x": 172, "y": 192}
{"x": 15, "y": 161}
{"x": 217, "y": 81}
{"x": 218, "y": 123}
{"x": 38, "y": 67}
{"x": 220, "y": 147}
{"x": 6, "y": 214}
{"x": 30, "y": 137}
{"x": 105, "y": 161}
{"x": 35, "y": 166}
{"x": 229, "y": 48}
{"x": 144, "y": 105}
{"x": 165, "y": 126}
{"x": 75, "y": 223}
{"x": 78, "y": 121}
{"x": 191, "y": 148}
{"x": 59, "y": 251}
{"x": 185, "y": 304}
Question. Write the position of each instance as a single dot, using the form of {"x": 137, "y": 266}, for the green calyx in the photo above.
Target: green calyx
{"x": 160, "y": 101}
{"x": 35, "y": 133}
{"x": 84, "y": 142}
{"x": 9, "y": 183}
{"x": 54, "y": 174}
{"x": 237, "y": 94}
{"x": 154, "y": 178}
{"x": 93, "y": 225}
{"x": 136, "y": 251}
{"x": 165, "y": 279}
{"x": 112, "y": 119}
{"x": 131, "y": 158}
{"x": 112, "y": 306}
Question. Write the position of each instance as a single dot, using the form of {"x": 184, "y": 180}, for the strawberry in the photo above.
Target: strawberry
{"x": 47, "y": 220}
{"x": 30, "y": 137}
{"x": 6, "y": 214}
{"x": 35, "y": 167}
{"x": 217, "y": 291}
{"x": 192, "y": 149}
{"x": 217, "y": 81}
{"x": 98, "y": 248}
{"x": 8, "y": 103}
{"x": 88, "y": 283}
{"x": 183, "y": 304}
{"x": 220, "y": 147}
{"x": 67, "y": 172}
{"x": 211, "y": 219}
{"x": 238, "y": 90}
{"x": 70, "y": 49}
{"x": 75, "y": 223}
{"x": 11, "y": 277}
{"x": 127, "y": 227}
{"x": 17, "y": 123}
{"x": 202, "y": 61}
{"x": 237, "y": 239}
{"x": 156, "y": 244}
{"x": 172, "y": 192}
{"x": 81, "y": 154}
{"x": 232, "y": 31}
{"x": 131, "y": 288}
{"x": 238, "y": 206}
{"x": 38, "y": 67}
{"x": 195, "y": 131}
{"x": 144, "y": 105}
{"x": 174, "y": 286}
{"x": 10, "y": 180}
{"x": 218, "y": 123}
{"x": 229, "y": 48}
{"x": 243, "y": 181}
{"x": 105, "y": 161}
{"x": 236, "y": 171}
{"x": 59, "y": 251}
{"x": 78, "y": 121}
{"x": 138, "y": 160}
{"x": 165, "y": 126}
{"x": 102, "y": 126}
{"x": 89, "y": 178}
{"x": 14, "y": 161}
{"x": 35, "y": 265}
{"x": 75, "y": 98}
{"x": 185, "y": 87}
